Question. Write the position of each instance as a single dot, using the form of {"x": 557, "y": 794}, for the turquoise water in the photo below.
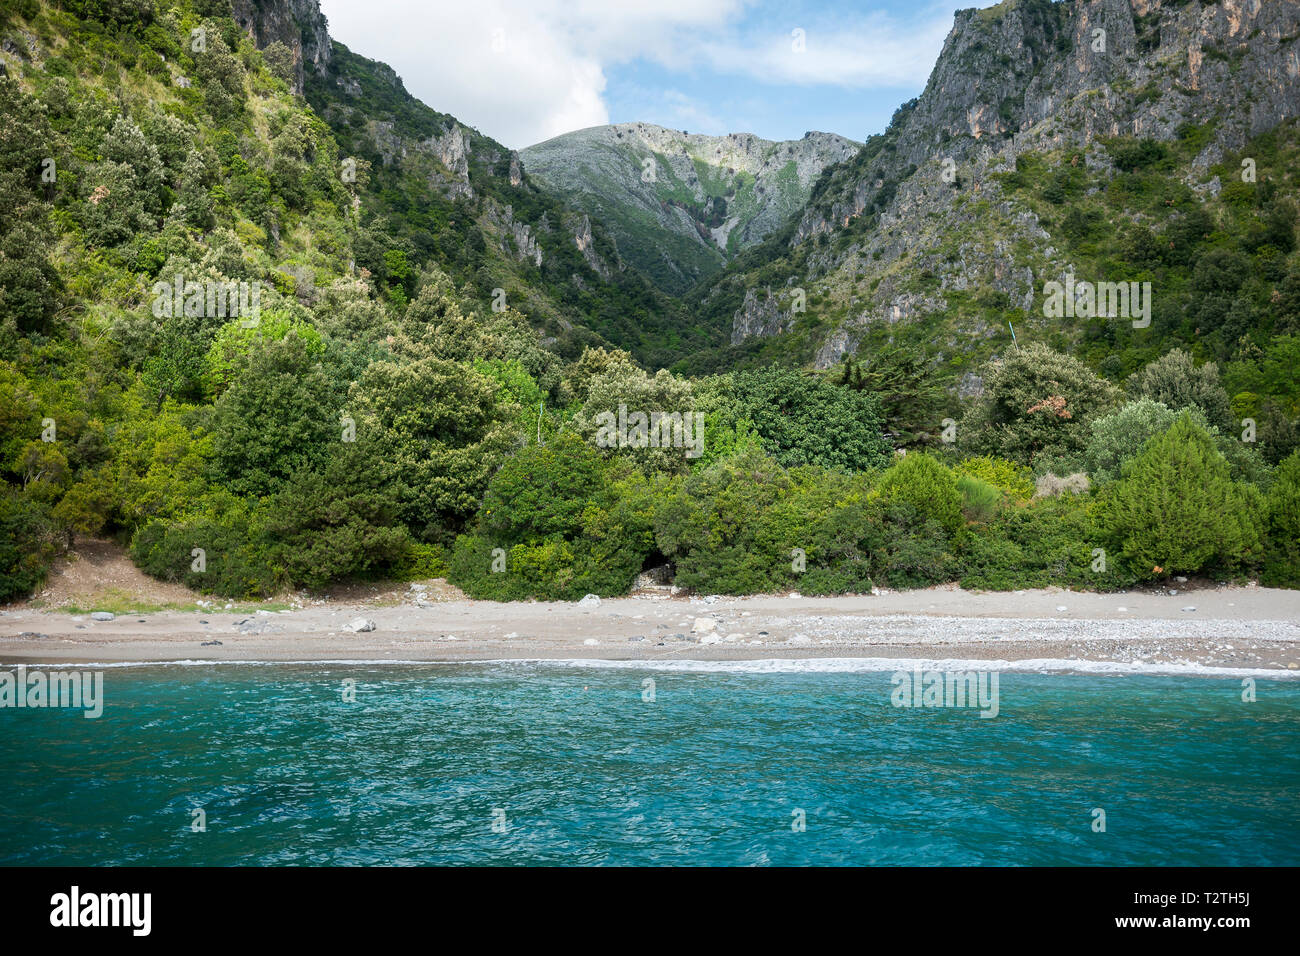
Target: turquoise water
{"x": 587, "y": 772}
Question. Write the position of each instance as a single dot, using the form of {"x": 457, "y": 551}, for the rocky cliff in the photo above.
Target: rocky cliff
{"x": 298, "y": 24}
{"x": 920, "y": 213}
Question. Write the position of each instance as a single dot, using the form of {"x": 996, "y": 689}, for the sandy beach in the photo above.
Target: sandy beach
{"x": 1183, "y": 628}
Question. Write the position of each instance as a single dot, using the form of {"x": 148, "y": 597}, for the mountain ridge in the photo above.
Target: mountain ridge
{"x": 680, "y": 205}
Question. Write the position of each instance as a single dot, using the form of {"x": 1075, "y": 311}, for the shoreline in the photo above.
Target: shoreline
{"x": 1248, "y": 629}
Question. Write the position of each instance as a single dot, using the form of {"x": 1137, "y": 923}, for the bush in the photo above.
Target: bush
{"x": 809, "y": 421}
{"x": 1036, "y": 406}
{"x": 1016, "y": 481}
{"x": 566, "y": 523}
{"x": 980, "y": 500}
{"x": 334, "y": 524}
{"x": 434, "y": 431}
{"x": 1177, "y": 509}
{"x": 278, "y": 418}
{"x": 1175, "y": 381}
{"x": 1049, "y": 543}
{"x": 907, "y": 549}
{"x": 420, "y": 561}
{"x": 926, "y": 485}
{"x": 1120, "y": 436}
{"x": 1053, "y": 486}
{"x": 27, "y": 544}
{"x": 237, "y": 552}
{"x": 714, "y": 528}
{"x": 1282, "y": 562}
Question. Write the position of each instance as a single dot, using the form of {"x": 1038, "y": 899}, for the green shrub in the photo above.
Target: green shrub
{"x": 922, "y": 482}
{"x": 557, "y": 522}
{"x": 334, "y": 524}
{"x": 421, "y": 561}
{"x": 279, "y": 417}
{"x": 713, "y": 528}
{"x": 1175, "y": 380}
{"x": 980, "y": 500}
{"x": 27, "y": 544}
{"x": 1120, "y": 436}
{"x": 1016, "y": 481}
{"x": 1282, "y": 562}
{"x": 1049, "y": 543}
{"x": 1036, "y": 406}
{"x": 907, "y": 548}
{"x": 236, "y": 552}
{"x": 809, "y": 421}
{"x": 1177, "y": 509}
{"x": 822, "y": 515}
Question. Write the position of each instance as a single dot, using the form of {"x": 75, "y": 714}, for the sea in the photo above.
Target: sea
{"x": 585, "y": 763}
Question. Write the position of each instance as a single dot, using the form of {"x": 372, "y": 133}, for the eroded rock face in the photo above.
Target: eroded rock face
{"x": 523, "y": 244}
{"x": 452, "y": 150}
{"x": 298, "y": 24}
{"x": 587, "y": 247}
{"x": 1028, "y": 75}
{"x": 761, "y": 314}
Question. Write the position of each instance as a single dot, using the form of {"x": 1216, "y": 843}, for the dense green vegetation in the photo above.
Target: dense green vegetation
{"x": 378, "y": 416}
{"x": 414, "y": 217}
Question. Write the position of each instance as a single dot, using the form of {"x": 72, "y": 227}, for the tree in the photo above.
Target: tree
{"x": 1177, "y": 509}
{"x": 557, "y": 521}
{"x": 437, "y": 324}
{"x": 911, "y": 393}
{"x": 193, "y": 193}
{"x": 334, "y": 523}
{"x": 713, "y": 527}
{"x": 278, "y": 418}
{"x": 804, "y": 420}
{"x": 1175, "y": 380}
{"x": 1036, "y": 406}
{"x": 27, "y": 544}
{"x": 29, "y": 286}
{"x": 925, "y": 484}
{"x": 1282, "y": 565}
{"x": 1118, "y": 437}
{"x": 436, "y": 432}
{"x": 622, "y": 391}
{"x": 280, "y": 62}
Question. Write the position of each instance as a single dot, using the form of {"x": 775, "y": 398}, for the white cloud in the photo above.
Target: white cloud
{"x": 525, "y": 70}
{"x": 690, "y": 113}
{"x": 872, "y": 51}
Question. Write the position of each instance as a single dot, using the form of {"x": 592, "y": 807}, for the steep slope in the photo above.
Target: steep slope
{"x": 679, "y": 206}
{"x": 1131, "y": 110}
{"x": 463, "y": 202}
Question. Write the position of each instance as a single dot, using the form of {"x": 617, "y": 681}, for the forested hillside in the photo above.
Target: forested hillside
{"x": 271, "y": 323}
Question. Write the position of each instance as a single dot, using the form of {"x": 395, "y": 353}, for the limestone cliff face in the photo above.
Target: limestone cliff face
{"x": 298, "y": 24}
{"x": 761, "y": 314}
{"x": 1027, "y": 75}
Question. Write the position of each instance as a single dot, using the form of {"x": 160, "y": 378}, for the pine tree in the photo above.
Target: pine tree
{"x": 1177, "y": 509}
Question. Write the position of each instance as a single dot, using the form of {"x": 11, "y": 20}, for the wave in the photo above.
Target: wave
{"x": 826, "y": 665}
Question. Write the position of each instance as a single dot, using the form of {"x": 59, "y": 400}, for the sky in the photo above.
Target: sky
{"x": 522, "y": 71}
